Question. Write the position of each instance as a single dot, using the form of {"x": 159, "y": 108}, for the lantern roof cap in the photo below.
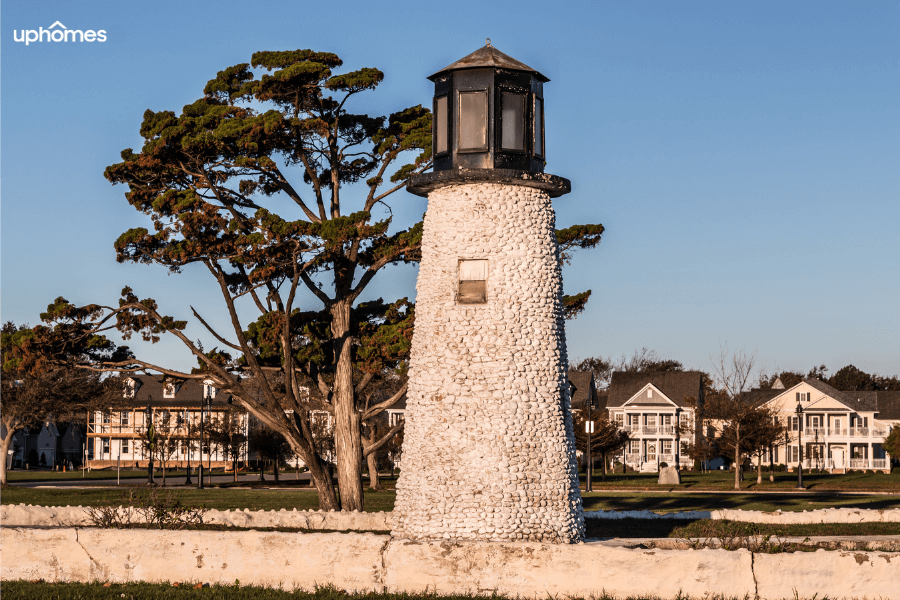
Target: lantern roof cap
{"x": 489, "y": 57}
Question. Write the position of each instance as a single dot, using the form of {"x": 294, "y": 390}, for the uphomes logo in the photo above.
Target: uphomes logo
{"x": 58, "y": 33}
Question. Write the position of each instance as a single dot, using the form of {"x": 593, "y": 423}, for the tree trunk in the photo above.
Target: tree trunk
{"x": 603, "y": 457}
{"x": 737, "y": 458}
{"x": 163, "y": 465}
{"x": 374, "y": 482}
{"x": 234, "y": 462}
{"x": 275, "y": 469}
{"x": 4, "y": 449}
{"x": 262, "y": 465}
{"x": 347, "y": 433}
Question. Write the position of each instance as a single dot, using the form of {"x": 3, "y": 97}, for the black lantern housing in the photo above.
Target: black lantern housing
{"x": 488, "y": 125}
{"x": 488, "y": 114}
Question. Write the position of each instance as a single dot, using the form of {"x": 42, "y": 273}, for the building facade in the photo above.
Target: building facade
{"x": 837, "y": 431}
{"x": 119, "y": 437}
{"x": 658, "y": 410}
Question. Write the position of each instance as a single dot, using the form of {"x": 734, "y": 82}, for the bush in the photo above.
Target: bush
{"x": 663, "y": 464}
{"x": 160, "y": 509}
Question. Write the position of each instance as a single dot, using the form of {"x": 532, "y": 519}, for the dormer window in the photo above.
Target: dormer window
{"x": 209, "y": 391}
{"x": 168, "y": 390}
{"x": 649, "y": 393}
{"x": 130, "y": 386}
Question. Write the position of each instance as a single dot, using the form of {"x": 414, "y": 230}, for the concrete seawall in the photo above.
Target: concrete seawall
{"x": 369, "y": 562}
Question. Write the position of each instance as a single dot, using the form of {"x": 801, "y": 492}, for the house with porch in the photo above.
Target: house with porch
{"x": 838, "y": 431}
{"x": 659, "y": 412}
{"x": 115, "y": 437}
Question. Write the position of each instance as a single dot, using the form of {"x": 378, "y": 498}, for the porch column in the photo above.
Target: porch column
{"x": 869, "y": 455}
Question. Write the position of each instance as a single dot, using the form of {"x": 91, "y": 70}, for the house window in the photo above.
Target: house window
{"x": 105, "y": 418}
{"x": 684, "y": 448}
{"x": 472, "y": 282}
{"x": 169, "y": 390}
{"x": 802, "y": 396}
{"x": 105, "y": 446}
{"x": 651, "y": 420}
{"x": 667, "y": 447}
{"x": 635, "y": 446}
{"x": 775, "y": 454}
{"x": 649, "y": 393}
{"x": 794, "y": 423}
{"x": 125, "y": 447}
{"x": 667, "y": 419}
{"x": 124, "y": 418}
{"x": 129, "y": 389}
{"x": 815, "y": 421}
{"x": 209, "y": 390}
{"x": 473, "y": 121}
{"x": 619, "y": 417}
{"x": 395, "y": 418}
{"x": 634, "y": 419}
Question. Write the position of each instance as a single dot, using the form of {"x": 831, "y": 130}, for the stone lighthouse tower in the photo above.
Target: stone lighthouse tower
{"x": 489, "y": 451}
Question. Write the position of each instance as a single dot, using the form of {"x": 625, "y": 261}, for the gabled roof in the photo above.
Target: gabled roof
{"x": 888, "y": 405}
{"x": 676, "y": 385}
{"x": 190, "y": 393}
{"x": 583, "y": 384}
{"x": 488, "y": 57}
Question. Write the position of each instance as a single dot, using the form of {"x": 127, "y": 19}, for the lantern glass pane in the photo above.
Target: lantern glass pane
{"x": 513, "y": 121}
{"x": 473, "y": 112}
{"x": 539, "y": 126}
{"x": 440, "y": 125}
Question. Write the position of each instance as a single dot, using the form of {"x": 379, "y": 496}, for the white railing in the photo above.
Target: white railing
{"x": 859, "y": 463}
{"x": 667, "y": 430}
{"x": 632, "y": 459}
{"x": 837, "y": 431}
{"x": 879, "y": 432}
{"x": 859, "y": 432}
{"x": 649, "y": 429}
{"x": 814, "y": 431}
{"x": 669, "y": 459}
{"x": 879, "y": 463}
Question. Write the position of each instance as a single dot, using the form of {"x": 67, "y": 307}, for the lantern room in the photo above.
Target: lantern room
{"x": 488, "y": 114}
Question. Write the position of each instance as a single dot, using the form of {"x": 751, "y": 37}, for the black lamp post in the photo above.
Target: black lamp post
{"x": 200, "y": 465}
{"x": 151, "y": 439}
{"x": 188, "y": 480}
{"x": 800, "y": 447}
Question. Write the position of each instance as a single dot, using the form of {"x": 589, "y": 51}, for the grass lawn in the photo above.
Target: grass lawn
{"x": 219, "y": 498}
{"x": 38, "y": 475}
{"x": 853, "y": 481}
{"x": 19, "y": 590}
{"x": 681, "y": 501}
{"x": 666, "y": 528}
{"x": 305, "y": 499}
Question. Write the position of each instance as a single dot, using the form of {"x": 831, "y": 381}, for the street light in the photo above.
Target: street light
{"x": 187, "y": 424}
{"x": 800, "y": 447}
{"x": 151, "y": 437}
{"x": 205, "y": 404}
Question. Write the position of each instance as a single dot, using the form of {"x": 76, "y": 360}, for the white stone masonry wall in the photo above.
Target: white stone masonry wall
{"x": 489, "y": 451}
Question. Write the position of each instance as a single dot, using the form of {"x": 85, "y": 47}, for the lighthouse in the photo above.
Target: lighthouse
{"x": 489, "y": 450}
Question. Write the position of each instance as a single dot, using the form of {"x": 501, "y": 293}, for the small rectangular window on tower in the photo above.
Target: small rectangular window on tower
{"x": 473, "y": 121}
{"x": 472, "y": 282}
{"x": 440, "y": 125}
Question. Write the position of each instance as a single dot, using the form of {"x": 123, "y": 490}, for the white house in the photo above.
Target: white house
{"x": 838, "y": 431}
{"x": 659, "y": 412}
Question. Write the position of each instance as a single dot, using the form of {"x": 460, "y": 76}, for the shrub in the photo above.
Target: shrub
{"x": 160, "y": 509}
{"x": 663, "y": 464}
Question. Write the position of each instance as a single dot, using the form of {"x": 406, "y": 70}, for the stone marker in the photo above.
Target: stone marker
{"x": 489, "y": 450}
{"x": 669, "y": 476}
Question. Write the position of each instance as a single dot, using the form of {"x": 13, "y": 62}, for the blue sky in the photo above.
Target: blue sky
{"x": 742, "y": 156}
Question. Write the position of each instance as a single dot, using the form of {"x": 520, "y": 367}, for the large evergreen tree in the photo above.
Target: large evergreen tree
{"x": 279, "y": 131}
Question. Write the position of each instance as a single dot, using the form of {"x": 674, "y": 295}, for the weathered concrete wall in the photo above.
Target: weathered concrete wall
{"x": 823, "y": 515}
{"x": 488, "y": 450}
{"x": 21, "y": 515}
{"x": 367, "y": 562}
